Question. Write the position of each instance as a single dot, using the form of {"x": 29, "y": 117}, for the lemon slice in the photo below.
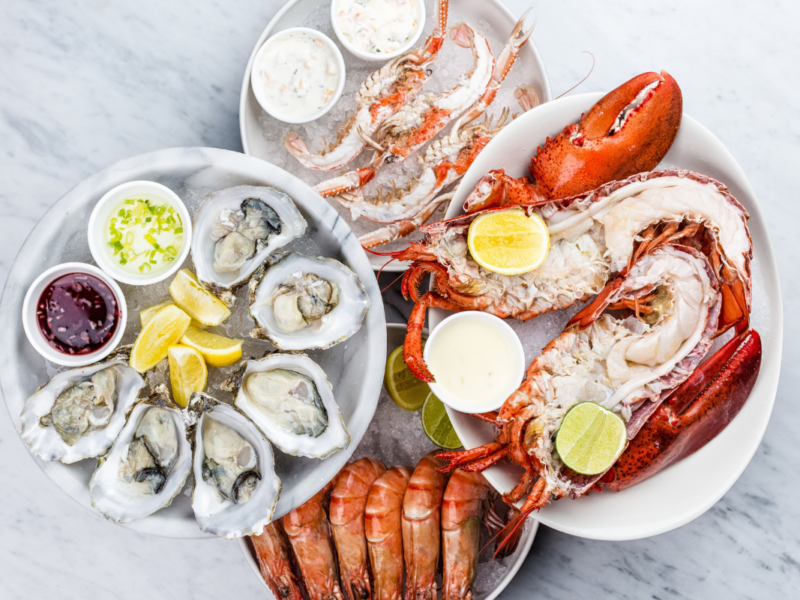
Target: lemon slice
{"x": 437, "y": 425}
{"x": 197, "y": 301}
{"x": 508, "y": 241}
{"x": 187, "y": 373}
{"x": 405, "y": 389}
{"x": 162, "y": 331}
{"x": 217, "y": 350}
{"x": 147, "y": 314}
{"x": 590, "y": 438}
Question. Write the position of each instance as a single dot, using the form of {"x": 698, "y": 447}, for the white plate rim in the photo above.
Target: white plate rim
{"x": 388, "y": 266}
{"x": 767, "y": 383}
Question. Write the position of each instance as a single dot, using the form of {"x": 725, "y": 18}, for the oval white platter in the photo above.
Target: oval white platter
{"x": 686, "y": 490}
{"x": 262, "y": 135}
{"x": 354, "y": 367}
{"x": 383, "y": 440}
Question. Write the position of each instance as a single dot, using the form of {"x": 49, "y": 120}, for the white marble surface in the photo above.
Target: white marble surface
{"x": 86, "y": 83}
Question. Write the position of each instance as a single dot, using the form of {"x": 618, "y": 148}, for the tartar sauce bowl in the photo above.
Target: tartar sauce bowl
{"x": 258, "y": 84}
{"x": 511, "y": 367}
{"x": 99, "y": 223}
{"x": 419, "y": 5}
{"x": 31, "y": 325}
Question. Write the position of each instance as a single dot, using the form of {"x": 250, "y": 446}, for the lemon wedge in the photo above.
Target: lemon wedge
{"x": 508, "y": 241}
{"x": 162, "y": 331}
{"x": 187, "y": 373}
{"x": 197, "y": 301}
{"x": 590, "y": 438}
{"x": 217, "y": 350}
{"x": 147, "y": 314}
{"x": 405, "y": 389}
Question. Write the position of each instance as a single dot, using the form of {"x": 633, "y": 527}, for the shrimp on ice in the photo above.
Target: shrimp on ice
{"x": 275, "y": 561}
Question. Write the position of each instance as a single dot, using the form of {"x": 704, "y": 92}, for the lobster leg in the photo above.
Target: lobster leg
{"x": 412, "y": 347}
{"x": 693, "y": 415}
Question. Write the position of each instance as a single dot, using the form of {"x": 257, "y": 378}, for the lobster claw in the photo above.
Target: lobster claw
{"x": 627, "y": 132}
{"x": 693, "y": 415}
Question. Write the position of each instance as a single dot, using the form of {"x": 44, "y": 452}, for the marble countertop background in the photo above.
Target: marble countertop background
{"x": 84, "y": 83}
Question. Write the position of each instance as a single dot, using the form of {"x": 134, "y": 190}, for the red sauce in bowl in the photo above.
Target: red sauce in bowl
{"x": 77, "y": 313}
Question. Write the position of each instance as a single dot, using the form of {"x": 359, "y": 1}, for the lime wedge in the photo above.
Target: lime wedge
{"x": 590, "y": 438}
{"x": 405, "y": 389}
{"x": 437, "y": 425}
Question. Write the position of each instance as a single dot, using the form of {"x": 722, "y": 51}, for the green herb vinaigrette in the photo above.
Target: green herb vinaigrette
{"x": 144, "y": 234}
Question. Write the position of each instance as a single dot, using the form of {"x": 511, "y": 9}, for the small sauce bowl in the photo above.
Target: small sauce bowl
{"x": 514, "y": 366}
{"x": 31, "y": 325}
{"x": 257, "y": 84}
{"x": 373, "y": 56}
{"x": 98, "y": 224}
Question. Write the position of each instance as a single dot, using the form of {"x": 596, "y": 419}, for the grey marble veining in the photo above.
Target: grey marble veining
{"x": 84, "y": 84}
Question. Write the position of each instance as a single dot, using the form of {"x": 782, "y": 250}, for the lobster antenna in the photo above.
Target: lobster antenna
{"x": 582, "y": 80}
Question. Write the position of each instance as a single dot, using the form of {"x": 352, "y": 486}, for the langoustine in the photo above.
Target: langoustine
{"x": 309, "y": 533}
{"x": 348, "y": 502}
{"x": 382, "y": 94}
{"x": 275, "y": 561}
{"x": 382, "y": 524}
{"x": 420, "y": 523}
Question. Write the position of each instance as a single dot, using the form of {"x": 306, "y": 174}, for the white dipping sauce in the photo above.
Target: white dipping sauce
{"x": 377, "y": 26}
{"x": 298, "y": 73}
{"x": 473, "y": 361}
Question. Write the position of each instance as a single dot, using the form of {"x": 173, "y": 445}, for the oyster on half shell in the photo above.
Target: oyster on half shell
{"x": 234, "y": 232}
{"x": 235, "y": 485}
{"x": 79, "y": 413}
{"x": 148, "y": 464}
{"x": 289, "y": 398}
{"x": 303, "y": 303}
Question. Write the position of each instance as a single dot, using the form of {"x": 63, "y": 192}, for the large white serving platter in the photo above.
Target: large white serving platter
{"x": 404, "y": 443}
{"x": 262, "y": 135}
{"x": 354, "y": 367}
{"x": 686, "y": 490}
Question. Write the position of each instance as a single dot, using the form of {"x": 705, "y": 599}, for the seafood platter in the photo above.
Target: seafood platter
{"x": 209, "y": 395}
{"x": 398, "y": 135}
{"x": 626, "y": 249}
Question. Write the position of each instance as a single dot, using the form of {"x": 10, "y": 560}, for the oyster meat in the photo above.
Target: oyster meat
{"x": 80, "y": 412}
{"x": 289, "y": 398}
{"x": 236, "y": 488}
{"x": 303, "y": 302}
{"x": 148, "y": 464}
{"x": 234, "y": 232}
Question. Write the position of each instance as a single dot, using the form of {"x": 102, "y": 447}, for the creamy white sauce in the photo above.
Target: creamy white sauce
{"x": 298, "y": 74}
{"x": 473, "y": 361}
{"x": 377, "y": 26}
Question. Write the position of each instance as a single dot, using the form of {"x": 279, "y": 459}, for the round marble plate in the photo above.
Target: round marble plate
{"x": 385, "y": 444}
{"x": 354, "y": 367}
{"x": 686, "y": 490}
{"x": 262, "y": 135}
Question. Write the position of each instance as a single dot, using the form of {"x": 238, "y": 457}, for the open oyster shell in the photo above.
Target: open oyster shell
{"x": 231, "y": 232}
{"x": 153, "y": 486}
{"x": 242, "y": 459}
{"x": 300, "y": 419}
{"x": 304, "y": 303}
{"x": 45, "y": 441}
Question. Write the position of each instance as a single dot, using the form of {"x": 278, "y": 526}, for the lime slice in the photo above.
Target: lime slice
{"x": 590, "y": 438}
{"x": 437, "y": 425}
{"x": 405, "y": 389}
{"x": 508, "y": 242}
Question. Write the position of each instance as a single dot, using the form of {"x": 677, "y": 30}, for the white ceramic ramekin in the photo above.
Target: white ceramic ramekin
{"x": 31, "y": 325}
{"x": 98, "y": 223}
{"x": 256, "y": 84}
{"x": 452, "y": 400}
{"x": 358, "y": 53}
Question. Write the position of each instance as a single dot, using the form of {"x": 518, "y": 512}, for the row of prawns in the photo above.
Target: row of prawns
{"x": 667, "y": 257}
{"x": 381, "y": 527}
{"x": 395, "y": 120}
